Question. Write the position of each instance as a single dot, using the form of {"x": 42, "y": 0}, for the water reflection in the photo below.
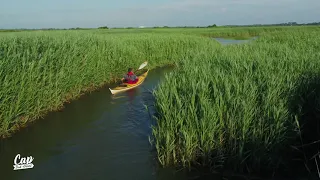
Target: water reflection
{"x": 225, "y": 41}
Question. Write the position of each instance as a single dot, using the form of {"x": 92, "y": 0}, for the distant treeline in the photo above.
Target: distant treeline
{"x": 156, "y": 27}
{"x": 281, "y": 24}
{"x": 214, "y": 25}
{"x": 43, "y": 29}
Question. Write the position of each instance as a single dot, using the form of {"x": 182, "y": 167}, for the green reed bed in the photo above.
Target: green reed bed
{"x": 39, "y": 71}
{"x": 226, "y": 32}
{"x": 242, "y": 106}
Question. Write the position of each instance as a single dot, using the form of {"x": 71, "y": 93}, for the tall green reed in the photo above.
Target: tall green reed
{"x": 233, "y": 106}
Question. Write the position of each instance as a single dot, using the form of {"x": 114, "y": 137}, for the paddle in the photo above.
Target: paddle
{"x": 143, "y": 65}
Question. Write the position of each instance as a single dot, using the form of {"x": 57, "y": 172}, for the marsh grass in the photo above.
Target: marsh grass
{"x": 241, "y": 106}
{"x": 219, "y": 32}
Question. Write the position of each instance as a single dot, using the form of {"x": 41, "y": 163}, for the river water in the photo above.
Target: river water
{"x": 99, "y": 136}
{"x": 224, "y": 41}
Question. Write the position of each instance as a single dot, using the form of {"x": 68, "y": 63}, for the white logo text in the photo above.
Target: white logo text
{"x": 22, "y": 163}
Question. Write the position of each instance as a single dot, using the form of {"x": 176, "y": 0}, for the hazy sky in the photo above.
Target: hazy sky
{"x": 124, "y": 13}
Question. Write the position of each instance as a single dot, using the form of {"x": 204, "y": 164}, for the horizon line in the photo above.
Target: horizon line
{"x": 165, "y": 26}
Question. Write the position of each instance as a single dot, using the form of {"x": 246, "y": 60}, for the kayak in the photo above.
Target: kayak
{"x": 125, "y": 86}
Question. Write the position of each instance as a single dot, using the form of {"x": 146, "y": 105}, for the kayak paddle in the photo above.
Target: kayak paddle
{"x": 143, "y": 65}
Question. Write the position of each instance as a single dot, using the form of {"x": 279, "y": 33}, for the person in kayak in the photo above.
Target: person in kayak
{"x": 130, "y": 77}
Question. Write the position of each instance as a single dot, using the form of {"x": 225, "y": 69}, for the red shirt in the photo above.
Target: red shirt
{"x": 131, "y": 78}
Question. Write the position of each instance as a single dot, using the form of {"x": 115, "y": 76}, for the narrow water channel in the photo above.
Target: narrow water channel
{"x": 99, "y": 136}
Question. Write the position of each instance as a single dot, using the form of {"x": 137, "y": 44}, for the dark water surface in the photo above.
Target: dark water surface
{"x": 99, "y": 136}
{"x": 224, "y": 41}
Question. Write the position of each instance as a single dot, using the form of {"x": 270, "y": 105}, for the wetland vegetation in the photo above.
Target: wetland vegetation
{"x": 249, "y": 107}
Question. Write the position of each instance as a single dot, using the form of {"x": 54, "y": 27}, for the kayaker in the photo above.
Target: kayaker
{"x": 130, "y": 77}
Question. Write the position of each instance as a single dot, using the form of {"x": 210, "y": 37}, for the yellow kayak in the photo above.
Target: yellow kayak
{"x": 125, "y": 86}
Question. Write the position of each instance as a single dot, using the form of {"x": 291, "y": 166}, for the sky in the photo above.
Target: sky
{"x": 134, "y": 13}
